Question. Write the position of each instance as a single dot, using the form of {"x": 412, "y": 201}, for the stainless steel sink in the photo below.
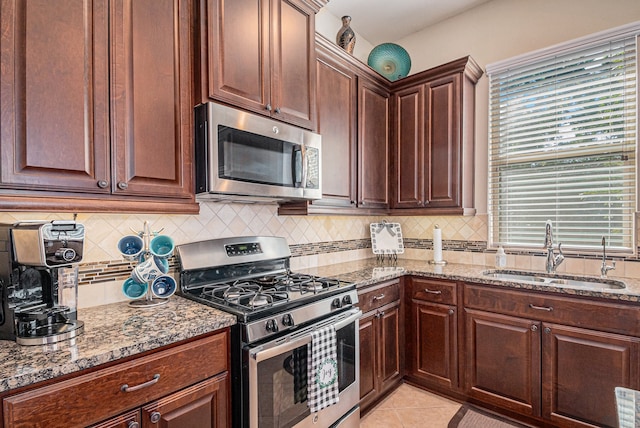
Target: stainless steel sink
{"x": 555, "y": 279}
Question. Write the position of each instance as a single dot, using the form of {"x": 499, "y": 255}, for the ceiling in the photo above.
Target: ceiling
{"x": 380, "y": 21}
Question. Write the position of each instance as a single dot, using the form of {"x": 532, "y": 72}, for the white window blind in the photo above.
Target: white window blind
{"x": 562, "y": 147}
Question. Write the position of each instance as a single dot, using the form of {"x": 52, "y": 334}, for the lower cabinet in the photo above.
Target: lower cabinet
{"x": 203, "y": 405}
{"x": 432, "y": 333}
{"x": 184, "y": 386}
{"x": 552, "y": 358}
{"x": 380, "y": 341}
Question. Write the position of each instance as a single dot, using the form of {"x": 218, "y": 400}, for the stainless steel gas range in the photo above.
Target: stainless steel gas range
{"x": 280, "y": 316}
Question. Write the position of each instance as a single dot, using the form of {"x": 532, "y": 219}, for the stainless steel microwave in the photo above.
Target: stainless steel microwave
{"x": 247, "y": 157}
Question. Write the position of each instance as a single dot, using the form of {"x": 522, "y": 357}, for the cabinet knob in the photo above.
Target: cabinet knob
{"x": 103, "y": 184}
{"x": 268, "y": 107}
{"x": 122, "y": 185}
{"x": 155, "y": 417}
{"x": 277, "y": 110}
{"x": 534, "y": 328}
{"x": 547, "y": 330}
{"x": 451, "y": 311}
{"x": 133, "y": 424}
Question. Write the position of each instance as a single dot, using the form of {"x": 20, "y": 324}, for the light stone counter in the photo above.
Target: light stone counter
{"x": 111, "y": 332}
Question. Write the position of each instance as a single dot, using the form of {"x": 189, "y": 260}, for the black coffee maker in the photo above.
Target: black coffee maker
{"x": 39, "y": 281}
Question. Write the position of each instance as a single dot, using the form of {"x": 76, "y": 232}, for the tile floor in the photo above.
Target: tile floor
{"x": 409, "y": 407}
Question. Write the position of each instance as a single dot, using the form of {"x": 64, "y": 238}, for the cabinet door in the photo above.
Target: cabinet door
{"x": 581, "y": 368}
{"x": 293, "y": 64}
{"x": 503, "y": 361}
{"x": 432, "y": 354}
{"x": 389, "y": 347}
{"x": 373, "y": 146}
{"x": 151, "y": 111}
{"x": 337, "y": 123}
{"x": 408, "y": 159}
{"x": 55, "y": 95}
{"x": 442, "y": 142}
{"x": 238, "y": 57}
{"x": 204, "y": 405}
{"x": 368, "y": 351}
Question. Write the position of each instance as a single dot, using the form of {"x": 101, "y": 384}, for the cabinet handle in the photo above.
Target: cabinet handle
{"x": 268, "y": 107}
{"x": 122, "y": 185}
{"x": 378, "y": 297}
{"x": 127, "y": 388}
{"x": 426, "y": 290}
{"x": 103, "y": 184}
{"x": 133, "y": 424}
{"x": 534, "y": 328}
{"x": 155, "y": 417}
{"x": 541, "y": 308}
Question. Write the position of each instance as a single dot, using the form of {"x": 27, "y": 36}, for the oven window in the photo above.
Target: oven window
{"x": 282, "y": 381}
{"x": 245, "y": 156}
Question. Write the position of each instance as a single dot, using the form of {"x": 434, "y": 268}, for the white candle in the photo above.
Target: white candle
{"x": 437, "y": 244}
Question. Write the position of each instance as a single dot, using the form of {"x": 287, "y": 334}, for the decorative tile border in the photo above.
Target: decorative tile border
{"x": 93, "y": 273}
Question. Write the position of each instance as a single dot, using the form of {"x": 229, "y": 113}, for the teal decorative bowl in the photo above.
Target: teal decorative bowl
{"x": 390, "y": 60}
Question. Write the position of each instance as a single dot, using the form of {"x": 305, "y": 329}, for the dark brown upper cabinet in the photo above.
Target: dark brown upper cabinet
{"x": 96, "y": 106}
{"x": 433, "y": 144}
{"x": 260, "y": 55}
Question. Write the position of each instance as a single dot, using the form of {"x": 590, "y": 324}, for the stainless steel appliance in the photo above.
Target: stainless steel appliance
{"x": 277, "y": 312}
{"x": 246, "y": 157}
{"x": 38, "y": 281}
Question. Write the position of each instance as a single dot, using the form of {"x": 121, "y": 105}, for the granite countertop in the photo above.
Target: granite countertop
{"x": 111, "y": 332}
{"x": 118, "y": 330}
{"x": 371, "y": 271}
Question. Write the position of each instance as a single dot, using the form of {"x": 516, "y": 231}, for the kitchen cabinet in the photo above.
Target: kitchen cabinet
{"x": 373, "y": 144}
{"x": 554, "y": 358}
{"x": 84, "y": 126}
{"x": 381, "y": 361}
{"x": 184, "y": 385}
{"x": 352, "y": 112}
{"x": 433, "y": 144}
{"x": 337, "y": 123}
{"x": 260, "y": 56}
{"x": 431, "y": 325}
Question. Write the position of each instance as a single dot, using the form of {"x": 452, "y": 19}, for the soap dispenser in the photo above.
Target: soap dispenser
{"x": 501, "y": 258}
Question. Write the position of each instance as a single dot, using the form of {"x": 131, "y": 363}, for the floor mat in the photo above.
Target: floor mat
{"x": 469, "y": 417}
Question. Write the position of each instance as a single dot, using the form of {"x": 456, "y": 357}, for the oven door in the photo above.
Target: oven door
{"x": 278, "y": 378}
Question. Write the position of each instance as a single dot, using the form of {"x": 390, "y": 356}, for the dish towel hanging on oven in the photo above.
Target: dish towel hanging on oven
{"x": 322, "y": 368}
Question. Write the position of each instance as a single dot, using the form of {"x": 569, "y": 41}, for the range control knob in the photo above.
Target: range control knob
{"x": 337, "y": 304}
{"x": 346, "y": 300}
{"x": 287, "y": 320}
{"x": 272, "y": 326}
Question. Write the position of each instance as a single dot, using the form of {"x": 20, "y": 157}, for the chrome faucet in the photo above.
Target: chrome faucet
{"x": 553, "y": 261}
{"x": 604, "y": 268}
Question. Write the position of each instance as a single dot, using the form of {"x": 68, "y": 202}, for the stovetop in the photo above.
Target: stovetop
{"x": 263, "y": 296}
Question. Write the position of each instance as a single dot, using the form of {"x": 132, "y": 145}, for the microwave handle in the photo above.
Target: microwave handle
{"x": 299, "y": 166}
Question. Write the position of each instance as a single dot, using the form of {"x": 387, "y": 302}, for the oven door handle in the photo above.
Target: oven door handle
{"x": 302, "y": 337}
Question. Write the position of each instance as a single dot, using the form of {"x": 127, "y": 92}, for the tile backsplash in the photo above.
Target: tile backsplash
{"x": 314, "y": 240}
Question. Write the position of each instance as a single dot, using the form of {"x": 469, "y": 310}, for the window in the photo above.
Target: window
{"x": 562, "y": 144}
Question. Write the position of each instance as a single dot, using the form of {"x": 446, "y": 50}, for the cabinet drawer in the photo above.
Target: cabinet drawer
{"x": 378, "y": 295}
{"x": 544, "y": 306}
{"x": 92, "y": 397}
{"x": 433, "y": 291}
